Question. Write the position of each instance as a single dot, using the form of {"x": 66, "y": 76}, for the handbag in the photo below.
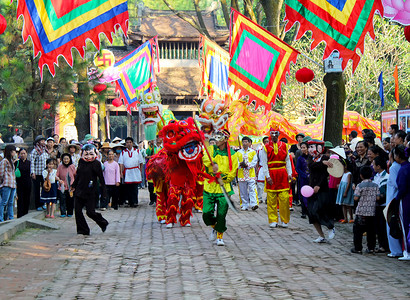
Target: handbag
{"x": 47, "y": 184}
{"x": 17, "y": 171}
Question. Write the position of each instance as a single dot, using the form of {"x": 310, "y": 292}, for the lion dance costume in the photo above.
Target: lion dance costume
{"x": 181, "y": 162}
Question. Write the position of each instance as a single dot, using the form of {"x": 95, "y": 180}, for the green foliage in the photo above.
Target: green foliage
{"x": 388, "y": 50}
{"x": 177, "y": 4}
{"x": 22, "y": 93}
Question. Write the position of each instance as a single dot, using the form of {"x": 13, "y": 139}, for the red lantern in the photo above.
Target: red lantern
{"x": 407, "y": 33}
{"x": 46, "y": 106}
{"x": 92, "y": 110}
{"x": 117, "y": 102}
{"x": 98, "y": 88}
{"x": 304, "y": 75}
{"x": 3, "y": 24}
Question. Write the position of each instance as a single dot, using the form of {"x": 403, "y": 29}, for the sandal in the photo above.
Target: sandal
{"x": 342, "y": 221}
{"x": 380, "y": 250}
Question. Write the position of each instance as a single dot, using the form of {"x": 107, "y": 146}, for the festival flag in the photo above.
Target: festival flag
{"x": 214, "y": 63}
{"x": 57, "y": 26}
{"x": 381, "y": 89}
{"x": 136, "y": 72}
{"x": 341, "y": 24}
{"x": 259, "y": 61}
{"x": 396, "y": 84}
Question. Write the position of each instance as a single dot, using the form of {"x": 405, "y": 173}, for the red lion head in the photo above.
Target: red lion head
{"x": 182, "y": 138}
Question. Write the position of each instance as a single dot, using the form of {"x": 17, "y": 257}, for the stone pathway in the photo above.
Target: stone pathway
{"x": 138, "y": 258}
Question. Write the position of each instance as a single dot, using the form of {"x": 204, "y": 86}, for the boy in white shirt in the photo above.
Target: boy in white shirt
{"x": 248, "y": 160}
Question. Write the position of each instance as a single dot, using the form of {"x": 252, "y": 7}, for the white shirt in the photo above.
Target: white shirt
{"x": 251, "y": 164}
{"x": 52, "y": 175}
{"x": 261, "y": 175}
{"x": 392, "y": 188}
{"x": 131, "y": 159}
{"x": 18, "y": 139}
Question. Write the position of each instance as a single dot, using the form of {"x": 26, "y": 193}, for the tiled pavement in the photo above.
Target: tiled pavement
{"x": 138, "y": 258}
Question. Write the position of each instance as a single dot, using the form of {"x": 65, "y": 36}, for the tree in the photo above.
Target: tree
{"x": 21, "y": 90}
{"x": 388, "y": 50}
{"x": 272, "y": 10}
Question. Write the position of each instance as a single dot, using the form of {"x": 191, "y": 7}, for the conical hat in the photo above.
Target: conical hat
{"x": 337, "y": 169}
{"x": 339, "y": 151}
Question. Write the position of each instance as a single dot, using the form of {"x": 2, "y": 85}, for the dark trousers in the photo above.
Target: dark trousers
{"x": 112, "y": 193}
{"x": 122, "y": 192}
{"x": 295, "y": 193}
{"x": 82, "y": 226}
{"x": 152, "y": 195}
{"x": 381, "y": 229}
{"x": 37, "y": 184}
{"x": 132, "y": 193}
{"x": 364, "y": 224}
{"x": 23, "y": 199}
{"x": 337, "y": 210}
{"x": 66, "y": 203}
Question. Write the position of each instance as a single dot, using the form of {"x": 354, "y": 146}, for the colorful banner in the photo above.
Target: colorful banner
{"x": 396, "y": 85}
{"x": 388, "y": 118}
{"x": 341, "y": 24}
{"x": 136, "y": 71}
{"x": 259, "y": 61}
{"x": 57, "y": 26}
{"x": 404, "y": 120}
{"x": 381, "y": 89}
{"x": 214, "y": 63}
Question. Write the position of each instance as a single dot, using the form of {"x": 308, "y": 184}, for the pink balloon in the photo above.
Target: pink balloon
{"x": 306, "y": 191}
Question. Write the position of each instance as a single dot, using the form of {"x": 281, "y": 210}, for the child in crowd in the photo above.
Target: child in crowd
{"x": 49, "y": 196}
{"x": 66, "y": 171}
{"x": 345, "y": 195}
{"x": 367, "y": 193}
{"x": 379, "y": 166}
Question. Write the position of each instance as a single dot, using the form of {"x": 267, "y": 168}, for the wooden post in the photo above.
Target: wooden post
{"x": 129, "y": 125}
{"x": 335, "y": 105}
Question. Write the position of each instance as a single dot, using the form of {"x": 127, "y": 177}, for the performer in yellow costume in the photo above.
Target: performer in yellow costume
{"x": 225, "y": 165}
{"x": 277, "y": 167}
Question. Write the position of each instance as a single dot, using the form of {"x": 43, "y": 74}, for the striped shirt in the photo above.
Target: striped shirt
{"x": 38, "y": 162}
{"x": 7, "y": 175}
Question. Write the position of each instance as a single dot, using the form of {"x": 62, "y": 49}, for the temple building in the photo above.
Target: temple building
{"x": 180, "y": 75}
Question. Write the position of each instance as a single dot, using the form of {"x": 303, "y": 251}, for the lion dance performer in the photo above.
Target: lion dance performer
{"x": 183, "y": 164}
{"x": 213, "y": 115}
{"x": 157, "y": 173}
{"x": 277, "y": 167}
{"x": 224, "y": 164}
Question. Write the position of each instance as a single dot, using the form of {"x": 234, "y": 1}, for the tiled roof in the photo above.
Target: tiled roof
{"x": 170, "y": 27}
{"x": 179, "y": 81}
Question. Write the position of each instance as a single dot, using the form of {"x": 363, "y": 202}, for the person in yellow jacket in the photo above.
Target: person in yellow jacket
{"x": 225, "y": 165}
{"x": 247, "y": 175}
